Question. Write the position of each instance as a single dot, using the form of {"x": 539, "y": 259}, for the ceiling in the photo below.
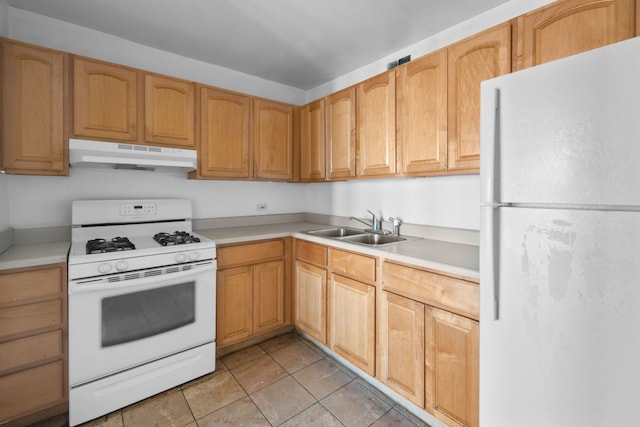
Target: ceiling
{"x": 299, "y": 43}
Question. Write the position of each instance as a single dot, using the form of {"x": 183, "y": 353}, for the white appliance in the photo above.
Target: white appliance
{"x": 142, "y": 301}
{"x": 560, "y": 243}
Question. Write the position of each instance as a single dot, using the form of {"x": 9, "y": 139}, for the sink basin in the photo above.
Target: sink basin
{"x": 337, "y": 232}
{"x": 372, "y": 239}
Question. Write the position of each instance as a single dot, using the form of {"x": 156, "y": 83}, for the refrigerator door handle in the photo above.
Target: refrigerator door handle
{"x": 491, "y": 244}
{"x": 490, "y": 159}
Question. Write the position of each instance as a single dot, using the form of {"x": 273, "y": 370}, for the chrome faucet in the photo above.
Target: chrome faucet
{"x": 376, "y": 224}
{"x": 396, "y": 225}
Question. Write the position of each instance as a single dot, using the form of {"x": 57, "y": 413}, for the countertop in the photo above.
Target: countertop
{"x": 30, "y": 255}
{"x": 453, "y": 258}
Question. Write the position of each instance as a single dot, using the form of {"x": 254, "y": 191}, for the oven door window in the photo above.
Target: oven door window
{"x": 138, "y": 315}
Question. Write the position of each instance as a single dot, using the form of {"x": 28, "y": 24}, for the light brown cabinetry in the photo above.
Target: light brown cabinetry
{"x": 422, "y": 114}
{"x": 33, "y": 137}
{"x": 312, "y": 142}
{"x": 310, "y": 313}
{"x": 252, "y": 289}
{"x": 272, "y": 140}
{"x": 33, "y": 343}
{"x": 351, "y": 308}
{"x": 169, "y": 111}
{"x": 376, "y": 124}
{"x": 105, "y": 100}
{"x": 341, "y": 134}
{"x": 480, "y": 57}
{"x": 225, "y": 144}
{"x": 428, "y": 341}
{"x": 569, "y": 27}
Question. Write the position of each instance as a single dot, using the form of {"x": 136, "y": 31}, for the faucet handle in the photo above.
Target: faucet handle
{"x": 375, "y": 222}
{"x": 396, "y": 225}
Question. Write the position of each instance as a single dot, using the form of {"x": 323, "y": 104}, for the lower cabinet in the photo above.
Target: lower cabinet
{"x": 252, "y": 294}
{"x": 310, "y": 313}
{"x": 33, "y": 344}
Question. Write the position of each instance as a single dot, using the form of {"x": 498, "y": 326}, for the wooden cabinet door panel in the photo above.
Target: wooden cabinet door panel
{"x": 169, "y": 111}
{"x": 569, "y": 27}
{"x": 356, "y": 266}
{"x": 33, "y": 284}
{"x": 268, "y": 296}
{"x": 234, "y": 293}
{"x": 22, "y": 319}
{"x": 32, "y": 111}
{"x": 351, "y": 321}
{"x": 341, "y": 134}
{"x": 105, "y": 100}
{"x": 422, "y": 114}
{"x": 30, "y": 350}
{"x": 480, "y": 57}
{"x": 401, "y": 346}
{"x": 224, "y": 134}
{"x": 312, "y": 142}
{"x": 376, "y": 119}
{"x": 311, "y": 253}
{"x": 452, "y": 367}
{"x": 311, "y": 300}
{"x": 273, "y": 140}
{"x": 250, "y": 253}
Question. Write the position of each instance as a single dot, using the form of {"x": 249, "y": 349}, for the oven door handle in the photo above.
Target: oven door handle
{"x": 143, "y": 283}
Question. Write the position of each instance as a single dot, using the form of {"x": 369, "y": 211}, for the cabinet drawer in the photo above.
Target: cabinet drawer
{"x": 16, "y": 287}
{"x": 30, "y": 317}
{"x": 360, "y": 267}
{"x": 456, "y": 295}
{"x": 311, "y": 253}
{"x": 25, "y": 351}
{"x": 250, "y": 253}
{"x": 31, "y": 390}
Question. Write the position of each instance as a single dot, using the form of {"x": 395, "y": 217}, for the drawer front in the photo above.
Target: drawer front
{"x": 359, "y": 267}
{"x": 26, "y": 351}
{"x": 311, "y": 253}
{"x": 30, "y": 317}
{"x": 31, "y": 390}
{"x": 250, "y": 253}
{"x": 455, "y": 295}
{"x": 26, "y": 285}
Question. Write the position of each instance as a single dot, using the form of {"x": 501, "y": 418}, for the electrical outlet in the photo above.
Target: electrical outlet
{"x": 261, "y": 207}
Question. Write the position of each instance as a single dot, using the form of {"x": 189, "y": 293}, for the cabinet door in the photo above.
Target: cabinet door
{"x": 572, "y": 26}
{"x": 234, "y": 312}
{"x": 351, "y": 322}
{"x": 105, "y": 101}
{"x": 268, "y": 296}
{"x": 32, "y": 111}
{"x": 272, "y": 139}
{"x": 376, "y": 118}
{"x": 401, "y": 346}
{"x": 480, "y": 57}
{"x": 452, "y": 365}
{"x": 169, "y": 117}
{"x": 312, "y": 142}
{"x": 422, "y": 114}
{"x": 311, "y": 300}
{"x": 341, "y": 134}
{"x": 224, "y": 134}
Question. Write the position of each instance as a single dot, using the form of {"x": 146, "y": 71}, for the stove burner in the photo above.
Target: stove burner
{"x": 98, "y": 246}
{"x": 177, "y": 238}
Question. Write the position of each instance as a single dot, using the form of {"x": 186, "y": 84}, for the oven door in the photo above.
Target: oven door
{"x": 121, "y": 325}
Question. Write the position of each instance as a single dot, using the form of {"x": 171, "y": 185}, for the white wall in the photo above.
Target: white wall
{"x": 36, "y": 201}
{"x": 4, "y": 20}
{"x": 5, "y": 202}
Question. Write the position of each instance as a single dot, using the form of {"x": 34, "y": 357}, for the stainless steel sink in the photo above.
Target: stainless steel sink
{"x": 337, "y": 232}
{"x": 373, "y": 239}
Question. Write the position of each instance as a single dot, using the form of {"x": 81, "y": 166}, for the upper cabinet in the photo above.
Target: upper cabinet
{"x": 105, "y": 101}
{"x": 272, "y": 140}
{"x": 169, "y": 117}
{"x": 341, "y": 134}
{"x": 483, "y": 56}
{"x": 422, "y": 114}
{"x": 312, "y": 142}
{"x": 224, "y": 150}
{"x": 33, "y": 139}
{"x": 572, "y": 26}
{"x": 376, "y": 123}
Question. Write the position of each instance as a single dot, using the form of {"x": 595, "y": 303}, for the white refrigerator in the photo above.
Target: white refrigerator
{"x": 560, "y": 243}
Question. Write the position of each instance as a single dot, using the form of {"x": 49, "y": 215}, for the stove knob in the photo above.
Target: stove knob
{"x": 122, "y": 265}
{"x": 104, "y": 268}
{"x": 194, "y": 256}
{"x": 181, "y": 257}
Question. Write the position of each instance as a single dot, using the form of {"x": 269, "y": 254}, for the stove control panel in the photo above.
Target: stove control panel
{"x": 132, "y": 209}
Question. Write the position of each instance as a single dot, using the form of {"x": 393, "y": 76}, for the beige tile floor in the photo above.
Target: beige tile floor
{"x": 286, "y": 381}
